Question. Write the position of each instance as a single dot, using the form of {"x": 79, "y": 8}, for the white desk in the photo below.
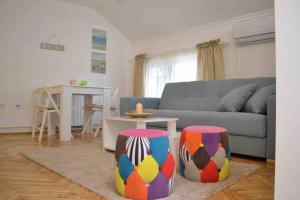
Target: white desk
{"x": 66, "y": 92}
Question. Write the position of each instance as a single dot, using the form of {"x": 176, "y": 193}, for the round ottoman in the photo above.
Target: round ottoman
{"x": 204, "y": 153}
{"x": 145, "y": 166}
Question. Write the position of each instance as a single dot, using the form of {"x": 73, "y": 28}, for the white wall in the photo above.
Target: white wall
{"x": 24, "y": 66}
{"x": 240, "y": 61}
{"x": 287, "y": 178}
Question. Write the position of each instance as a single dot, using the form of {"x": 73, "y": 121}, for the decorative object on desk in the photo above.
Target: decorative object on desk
{"x": 52, "y": 46}
{"x": 99, "y": 39}
{"x": 135, "y": 114}
{"x": 98, "y": 62}
{"x": 139, "y": 108}
{"x": 73, "y": 82}
{"x": 83, "y": 83}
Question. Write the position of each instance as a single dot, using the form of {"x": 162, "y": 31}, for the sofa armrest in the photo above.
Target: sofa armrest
{"x": 271, "y": 127}
{"x": 128, "y": 103}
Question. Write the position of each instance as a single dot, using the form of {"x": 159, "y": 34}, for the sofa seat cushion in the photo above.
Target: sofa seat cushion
{"x": 237, "y": 123}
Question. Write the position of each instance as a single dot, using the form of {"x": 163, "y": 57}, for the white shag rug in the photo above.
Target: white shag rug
{"x": 91, "y": 167}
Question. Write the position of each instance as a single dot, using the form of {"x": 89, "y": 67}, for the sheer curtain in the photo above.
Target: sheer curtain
{"x": 177, "y": 66}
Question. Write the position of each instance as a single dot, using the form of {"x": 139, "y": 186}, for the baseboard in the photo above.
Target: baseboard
{"x": 27, "y": 129}
{"x": 19, "y": 129}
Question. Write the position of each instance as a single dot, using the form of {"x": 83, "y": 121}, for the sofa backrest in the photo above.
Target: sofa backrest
{"x": 203, "y": 95}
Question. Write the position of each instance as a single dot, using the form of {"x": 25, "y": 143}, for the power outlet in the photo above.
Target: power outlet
{"x": 18, "y": 106}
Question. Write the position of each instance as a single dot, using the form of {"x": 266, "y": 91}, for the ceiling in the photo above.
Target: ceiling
{"x": 142, "y": 19}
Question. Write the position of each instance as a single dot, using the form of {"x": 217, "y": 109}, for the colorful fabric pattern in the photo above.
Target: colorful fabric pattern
{"x": 137, "y": 149}
{"x": 204, "y": 154}
{"x": 145, "y": 166}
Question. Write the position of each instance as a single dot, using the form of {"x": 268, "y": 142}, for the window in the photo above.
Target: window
{"x": 167, "y": 68}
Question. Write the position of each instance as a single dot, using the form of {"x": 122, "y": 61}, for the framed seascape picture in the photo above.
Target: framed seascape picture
{"x": 99, "y": 39}
{"x": 98, "y": 62}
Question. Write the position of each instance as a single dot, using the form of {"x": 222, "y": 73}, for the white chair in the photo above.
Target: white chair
{"x": 47, "y": 108}
{"x": 99, "y": 108}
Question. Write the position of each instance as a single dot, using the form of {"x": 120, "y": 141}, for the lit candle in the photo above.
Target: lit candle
{"x": 139, "y": 108}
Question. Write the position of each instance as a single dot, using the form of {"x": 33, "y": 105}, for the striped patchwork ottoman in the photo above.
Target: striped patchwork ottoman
{"x": 204, "y": 153}
{"x": 145, "y": 166}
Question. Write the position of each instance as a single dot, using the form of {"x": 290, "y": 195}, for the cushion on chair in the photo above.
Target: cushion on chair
{"x": 97, "y": 107}
{"x": 43, "y": 107}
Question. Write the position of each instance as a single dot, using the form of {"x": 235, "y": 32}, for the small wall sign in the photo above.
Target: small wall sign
{"x": 52, "y": 46}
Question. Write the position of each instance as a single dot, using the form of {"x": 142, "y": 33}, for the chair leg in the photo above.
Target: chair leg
{"x": 99, "y": 127}
{"x": 97, "y": 130}
{"x": 87, "y": 124}
{"x": 43, "y": 125}
{"x": 49, "y": 124}
{"x": 35, "y": 123}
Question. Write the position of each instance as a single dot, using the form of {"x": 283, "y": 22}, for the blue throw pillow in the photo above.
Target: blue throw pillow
{"x": 258, "y": 102}
{"x": 235, "y": 100}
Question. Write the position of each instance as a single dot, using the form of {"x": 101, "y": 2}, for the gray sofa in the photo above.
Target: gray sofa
{"x": 195, "y": 103}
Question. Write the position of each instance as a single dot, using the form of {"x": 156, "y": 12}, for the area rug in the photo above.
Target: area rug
{"x": 91, "y": 167}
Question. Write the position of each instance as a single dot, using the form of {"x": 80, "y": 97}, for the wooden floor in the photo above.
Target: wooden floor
{"x": 23, "y": 179}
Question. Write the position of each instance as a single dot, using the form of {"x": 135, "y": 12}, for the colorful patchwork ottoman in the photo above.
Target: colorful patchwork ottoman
{"x": 204, "y": 153}
{"x": 145, "y": 165}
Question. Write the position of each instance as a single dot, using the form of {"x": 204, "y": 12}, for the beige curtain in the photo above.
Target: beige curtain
{"x": 139, "y": 75}
{"x": 210, "y": 61}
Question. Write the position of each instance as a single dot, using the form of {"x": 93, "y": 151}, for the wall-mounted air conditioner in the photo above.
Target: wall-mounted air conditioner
{"x": 254, "y": 31}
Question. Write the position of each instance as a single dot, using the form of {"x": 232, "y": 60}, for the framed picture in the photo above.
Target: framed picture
{"x": 98, "y": 62}
{"x": 98, "y": 39}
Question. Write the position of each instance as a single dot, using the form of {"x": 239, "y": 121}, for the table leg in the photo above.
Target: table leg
{"x": 88, "y": 99}
{"x": 106, "y": 103}
{"x": 54, "y": 117}
{"x": 141, "y": 125}
{"x": 172, "y": 132}
{"x": 111, "y": 130}
{"x": 65, "y": 114}
{"x": 52, "y": 123}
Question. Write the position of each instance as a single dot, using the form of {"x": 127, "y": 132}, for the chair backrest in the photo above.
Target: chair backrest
{"x": 50, "y": 98}
{"x": 113, "y": 99}
{"x": 46, "y": 99}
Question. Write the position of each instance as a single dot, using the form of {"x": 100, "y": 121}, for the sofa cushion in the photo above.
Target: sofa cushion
{"x": 235, "y": 100}
{"x": 203, "y": 95}
{"x": 237, "y": 123}
{"x": 258, "y": 102}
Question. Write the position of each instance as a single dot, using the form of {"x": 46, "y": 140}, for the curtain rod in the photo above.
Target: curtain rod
{"x": 170, "y": 52}
{"x": 222, "y": 42}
